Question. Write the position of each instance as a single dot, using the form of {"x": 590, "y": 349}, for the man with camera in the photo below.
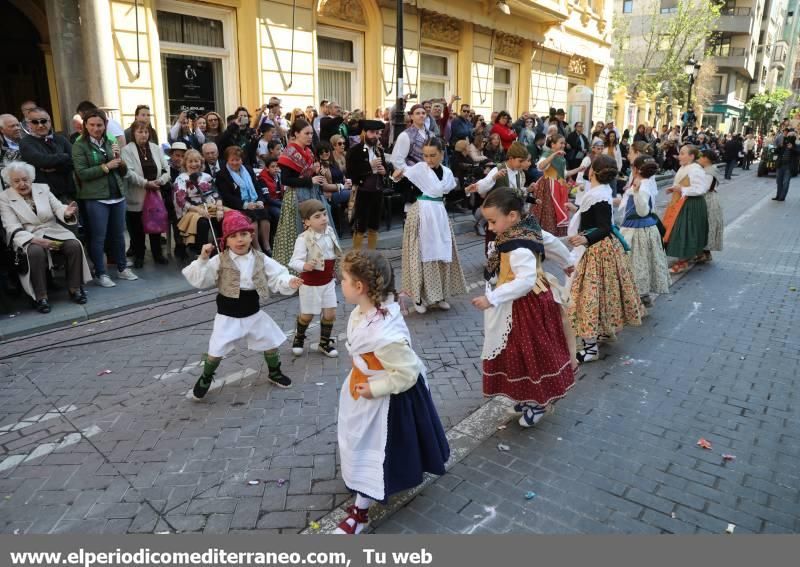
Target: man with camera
{"x": 185, "y": 130}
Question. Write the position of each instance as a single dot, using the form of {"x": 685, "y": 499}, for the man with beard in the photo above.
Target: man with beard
{"x": 366, "y": 166}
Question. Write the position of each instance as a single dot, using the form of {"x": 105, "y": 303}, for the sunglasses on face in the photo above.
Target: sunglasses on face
{"x": 339, "y": 143}
{"x": 40, "y": 121}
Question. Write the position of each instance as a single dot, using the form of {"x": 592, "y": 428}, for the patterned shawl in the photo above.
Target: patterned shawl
{"x": 298, "y": 158}
{"x": 525, "y": 234}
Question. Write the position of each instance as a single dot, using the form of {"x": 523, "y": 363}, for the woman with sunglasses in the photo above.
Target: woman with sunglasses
{"x": 339, "y": 147}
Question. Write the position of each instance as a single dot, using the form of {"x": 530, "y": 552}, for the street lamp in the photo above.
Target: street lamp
{"x": 691, "y": 67}
{"x": 503, "y": 7}
{"x": 398, "y": 119}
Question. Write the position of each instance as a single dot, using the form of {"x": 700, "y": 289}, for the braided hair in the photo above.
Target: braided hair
{"x": 374, "y": 271}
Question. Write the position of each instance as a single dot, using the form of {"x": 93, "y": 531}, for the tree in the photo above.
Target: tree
{"x": 654, "y": 55}
{"x": 703, "y": 85}
{"x": 763, "y": 107}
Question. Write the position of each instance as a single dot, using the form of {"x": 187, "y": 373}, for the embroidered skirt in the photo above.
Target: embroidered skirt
{"x": 428, "y": 282}
{"x": 690, "y": 233}
{"x": 534, "y": 366}
{"x": 545, "y": 209}
{"x": 287, "y": 231}
{"x": 648, "y": 260}
{"x": 604, "y": 294}
{"x": 716, "y": 224}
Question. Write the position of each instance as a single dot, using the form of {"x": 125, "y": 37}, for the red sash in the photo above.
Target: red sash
{"x": 319, "y": 277}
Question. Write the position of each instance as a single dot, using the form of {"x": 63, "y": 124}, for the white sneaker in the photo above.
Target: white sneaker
{"x": 104, "y": 281}
{"x": 420, "y": 308}
{"x": 443, "y": 305}
{"x": 127, "y": 274}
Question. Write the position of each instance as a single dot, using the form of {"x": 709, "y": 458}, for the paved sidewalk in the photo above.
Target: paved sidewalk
{"x": 86, "y": 451}
{"x": 717, "y": 359}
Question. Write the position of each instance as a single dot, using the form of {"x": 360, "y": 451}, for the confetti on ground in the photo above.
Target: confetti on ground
{"x": 314, "y": 525}
{"x": 674, "y": 516}
{"x": 501, "y": 427}
{"x": 728, "y": 457}
{"x": 281, "y": 481}
{"x": 320, "y": 383}
{"x": 704, "y": 443}
{"x": 792, "y": 289}
{"x": 530, "y": 495}
{"x": 742, "y": 357}
{"x": 730, "y": 528}
{"x": 502, "y": 447}
{"x": 628, "y": 362}
{"x": 106, "y": 371}
{"x": 560, "y": 439}
{"x": 252, "y": 482}
{"x": 74, "y": 323}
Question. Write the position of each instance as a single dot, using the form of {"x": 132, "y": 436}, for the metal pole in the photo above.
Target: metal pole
{"x": 398, "y": 120}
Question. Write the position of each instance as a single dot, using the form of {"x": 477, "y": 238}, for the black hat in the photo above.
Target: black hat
{"x": 560, "y": 111}
{"x": 371, "y": 125}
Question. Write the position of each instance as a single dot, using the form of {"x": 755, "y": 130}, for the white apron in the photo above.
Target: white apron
{"x": 363, "y": 425}
{"x": 435, "y": 236}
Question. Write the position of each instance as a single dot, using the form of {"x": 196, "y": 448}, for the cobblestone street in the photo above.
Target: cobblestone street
{"x": 98, "y": 435}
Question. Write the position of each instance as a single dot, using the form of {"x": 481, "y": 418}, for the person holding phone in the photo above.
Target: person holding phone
{"x": 186, "y": 130}
{"x": 240, "y": 134}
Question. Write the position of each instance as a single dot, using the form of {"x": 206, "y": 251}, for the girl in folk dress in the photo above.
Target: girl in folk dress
{"x": 640, "y": 230}
{"x": 686, "y": 217}
{"x": 551, "y": 190}
{"x": 388, "y": 430}
{"x": 604, "y": 296}
{"x": 431, "y": 270}
{"x": 716, "y": 223}
{"x": 525, "y": 353}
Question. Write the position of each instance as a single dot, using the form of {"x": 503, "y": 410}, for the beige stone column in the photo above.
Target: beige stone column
{"x": 98, "y": 52}
{"x": 68, "y": 68}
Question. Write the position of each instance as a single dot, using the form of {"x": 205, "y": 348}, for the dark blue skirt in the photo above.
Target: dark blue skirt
{"x": 416, "y": 443}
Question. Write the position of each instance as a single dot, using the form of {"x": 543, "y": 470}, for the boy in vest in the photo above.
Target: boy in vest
{"x": 314, "y": 258}
{"x": 507, "y": 175}
{"x": 243, "y": 276}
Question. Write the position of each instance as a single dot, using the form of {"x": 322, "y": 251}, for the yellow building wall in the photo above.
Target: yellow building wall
{"x": 134, "y": 90}
{"x": 411, "y": 42}
{"x": 295, "y": 85}
{"x": 549, "y": 81}
{"x": 482, "y": 75}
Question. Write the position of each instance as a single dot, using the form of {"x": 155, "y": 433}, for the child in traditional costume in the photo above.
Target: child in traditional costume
{"x": 640, "y": 230}
{"x": 507, "y": 175}
{"x": 551, "y": 191}
{"x": 686, "y": 217}
{"x": 716, "y": 222}
{"x": 243, "y": 275}
{"x": 526, "y": 356}
{"x": 604, "y": 295}
{"x": 314, "y": 258}
{"x": 388, "y": 430}
{"x": 431, "y": 270}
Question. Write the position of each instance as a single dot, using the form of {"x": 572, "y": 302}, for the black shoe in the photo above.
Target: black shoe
{"x": 775, "y": 199}
{"x": 279, "y": 379}
{"x": 129, "y": 252}
{"x": 180, "y": 253}
{"x": 160, "y": 260}
{"x": 42, "y": 306}
{"x": 78, "y": 296}
{"x": 138, "y": 263}
{"x": 202, "y": 386}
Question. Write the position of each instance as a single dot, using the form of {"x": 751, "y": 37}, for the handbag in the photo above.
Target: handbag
{"x": 155, "y": 219}
{"x": 19, "y": 258}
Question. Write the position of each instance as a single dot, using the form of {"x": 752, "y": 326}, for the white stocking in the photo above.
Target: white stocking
{"x": 363, "y": 502}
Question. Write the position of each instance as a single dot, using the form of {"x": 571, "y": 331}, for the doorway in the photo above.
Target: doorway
{"x": 22, "y": 64}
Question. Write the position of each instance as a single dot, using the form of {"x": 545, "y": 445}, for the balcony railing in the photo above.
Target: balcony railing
{"x": 736, "y": 11}
{"x": 728, "y": 51}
